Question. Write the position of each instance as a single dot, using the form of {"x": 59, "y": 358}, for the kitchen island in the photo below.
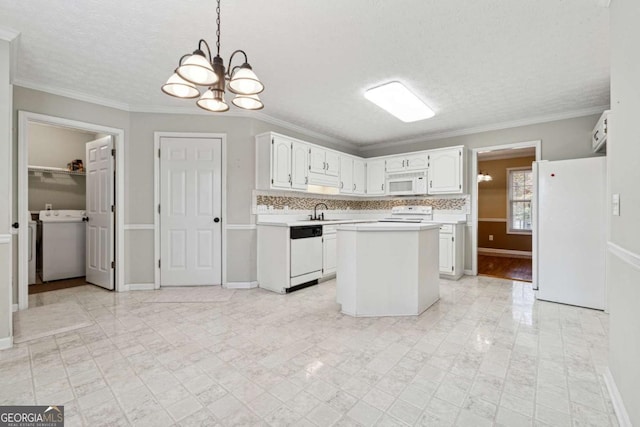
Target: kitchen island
{"x": 387, "y": 269}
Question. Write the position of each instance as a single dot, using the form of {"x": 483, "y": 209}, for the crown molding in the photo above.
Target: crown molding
{"x": 488, "y": 128}
{"x": 156, "y": 109}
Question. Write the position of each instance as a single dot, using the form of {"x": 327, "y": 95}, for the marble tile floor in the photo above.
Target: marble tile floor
{"x": 486, "y": 354}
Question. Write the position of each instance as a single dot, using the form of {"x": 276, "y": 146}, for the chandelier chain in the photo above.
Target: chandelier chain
{"x": 218, "y": 24}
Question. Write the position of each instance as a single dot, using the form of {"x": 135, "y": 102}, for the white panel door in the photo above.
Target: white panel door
{"x": 100, "y": 225}
{"x": 190, "y": 210}
{"x": 281, "y": 164}
{"x": 375, "y": 177}
{"x": 346, "y": 174}
{"x": 445, "y": 171}
{"x": 359, "y": 176}
{"x": 299, "y": 165}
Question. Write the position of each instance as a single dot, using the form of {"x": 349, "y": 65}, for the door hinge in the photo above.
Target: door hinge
{"x": 271, "y": 144}
{"x": 453, "y": 239}
{"x": 113, "y": 152}
{"x": 159, "y": 156}
{"x": 452, "y": 268}
{"x": 158, "y": 263}
{"x": 113, "y": 264}
{"x": 460, "y": 153}
{"x": 460, "y": 186}
{"x": 272, "y": 180}
{"x": 113, "y": 208}
{"x": 158, "y": 208}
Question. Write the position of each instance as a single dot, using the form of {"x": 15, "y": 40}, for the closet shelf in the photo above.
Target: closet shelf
{"x": 60, "y": 171}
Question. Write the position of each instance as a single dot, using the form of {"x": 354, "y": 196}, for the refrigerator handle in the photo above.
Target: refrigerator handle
{"x": 534, "y": 227}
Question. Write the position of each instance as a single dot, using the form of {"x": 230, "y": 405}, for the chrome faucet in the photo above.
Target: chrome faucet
{"x": 315, "y": 217}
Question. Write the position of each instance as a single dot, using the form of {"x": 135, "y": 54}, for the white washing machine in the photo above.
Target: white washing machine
{"x": 33, "y": 231}
{"x": 63, "y": 244}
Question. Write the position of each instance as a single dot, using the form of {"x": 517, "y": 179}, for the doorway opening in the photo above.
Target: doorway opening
{"x": 67, "y": 192}
{"x": 503, "y": 195}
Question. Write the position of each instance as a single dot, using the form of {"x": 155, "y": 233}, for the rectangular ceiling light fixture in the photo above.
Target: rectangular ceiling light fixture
{"x": 399, "y": 101}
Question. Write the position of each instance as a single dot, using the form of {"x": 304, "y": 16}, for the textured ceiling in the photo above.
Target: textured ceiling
{"x": 476, "y": 63}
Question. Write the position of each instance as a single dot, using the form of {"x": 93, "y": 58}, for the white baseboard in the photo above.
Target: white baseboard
{"x": 141, "y": 286}
{"x": 241, "y": 285}
{"x": 505, "y": 252}
{"x": 6, "y": 343}
{"x": 468, "y": 272}
{"x": 616, "y": 400}
{"x": 14, "y": 308}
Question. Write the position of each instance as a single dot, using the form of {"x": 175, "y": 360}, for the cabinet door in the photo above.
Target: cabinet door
{"x": 333, "y": 163}
{"x": 299, "y": 165}
{"x": 329, "y": 252}
{"x": 415, "y": 162}
{"x": 346, "y": 174}
{"x": 375, "y": 177}
{"x": 317, "y": 162}
{"x": 281, "y": 162}
{"x": 359, "y": 176}
{"x": 445, "y": 171}
{"x": 395, "y": 164}
{"x": 446, "y": 253}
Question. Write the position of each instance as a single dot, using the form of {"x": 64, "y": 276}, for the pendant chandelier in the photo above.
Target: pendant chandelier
{"x": 200, "y": 69}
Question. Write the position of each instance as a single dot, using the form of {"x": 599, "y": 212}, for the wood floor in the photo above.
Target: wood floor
{"x": 505, "y": 268}
{"x": 55, "y": 285}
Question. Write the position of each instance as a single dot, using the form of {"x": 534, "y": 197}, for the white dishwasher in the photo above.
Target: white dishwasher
{"x": 306, "y": 256}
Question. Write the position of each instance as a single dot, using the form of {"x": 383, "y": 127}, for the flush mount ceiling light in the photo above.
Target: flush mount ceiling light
{"x": 201, "y": 69}
{"x": 396, "y": 99}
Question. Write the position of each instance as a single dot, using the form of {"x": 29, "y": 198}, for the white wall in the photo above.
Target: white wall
{"x": 623, "y": 274}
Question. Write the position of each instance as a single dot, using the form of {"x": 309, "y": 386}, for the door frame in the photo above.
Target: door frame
{"x": 24, "y": 119}
{"x": 537, "y": 144}
{"x": 156, "y": 197}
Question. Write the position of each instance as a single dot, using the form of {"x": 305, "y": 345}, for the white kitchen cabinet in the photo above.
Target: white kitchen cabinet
{"x": 445, "y": 169}
{"x": 329, "y": 254}
{"x": 407, "y": 162}
{"x": 299, "y": 165}
{"x": 352, "y": 175}
{"x": 375, "y": 177}
{"x": 346, "y": 174}
{"x": 359, "y": 176}
{"x": 324, "y": 166}
{"x": 451, "y": 251}
{"x": 281, "y": 162}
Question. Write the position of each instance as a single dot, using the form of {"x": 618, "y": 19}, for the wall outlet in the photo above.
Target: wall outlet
{"x": 48, "y": 206}
{"x": 286, "y": 208}
{"x": 491, "y": 237}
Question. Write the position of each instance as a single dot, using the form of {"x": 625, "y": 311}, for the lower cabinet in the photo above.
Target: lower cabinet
{"x": 451, "y": 251}
{"x": 329, "y": 253}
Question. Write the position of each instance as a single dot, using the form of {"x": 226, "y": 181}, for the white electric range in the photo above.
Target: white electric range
{"x": 410, "y": 214}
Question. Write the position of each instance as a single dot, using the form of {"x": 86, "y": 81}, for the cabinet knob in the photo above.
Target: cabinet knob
{"x": 216, "y": 219}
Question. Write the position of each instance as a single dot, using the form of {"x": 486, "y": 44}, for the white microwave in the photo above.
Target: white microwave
{"x": 407, "y": 183}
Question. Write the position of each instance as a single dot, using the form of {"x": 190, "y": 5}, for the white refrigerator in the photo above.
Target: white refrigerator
{"x": 570, "y": 223}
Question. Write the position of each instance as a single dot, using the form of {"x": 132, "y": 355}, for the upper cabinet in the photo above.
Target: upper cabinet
{"x": 375, "y": 178}
{"x": 324, "y": 166}
{"x": 407, "y": 162}
{"x": 352, "y": 175}
{"x": 288, "y": 163}
{"x": 445, "y": 170}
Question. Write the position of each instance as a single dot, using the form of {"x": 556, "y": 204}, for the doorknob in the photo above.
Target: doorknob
{"x": 216, "y": 219}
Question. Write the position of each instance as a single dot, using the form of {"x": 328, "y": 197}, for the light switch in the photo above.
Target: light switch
{"x": 615, "y": 204}
{"x": 491, "y": 237}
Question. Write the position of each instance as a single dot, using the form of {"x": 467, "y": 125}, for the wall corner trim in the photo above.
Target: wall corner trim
{"x": 6, "y": 343}
{"x": 616, "y": 399}
{"x": 625, "y": 255}
{"x": 469, "y": 273}
{"x": 240, "y": 285}
{"x": 141, "y": 286}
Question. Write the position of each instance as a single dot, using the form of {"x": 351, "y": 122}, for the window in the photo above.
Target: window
{"x": 519, "y": 191}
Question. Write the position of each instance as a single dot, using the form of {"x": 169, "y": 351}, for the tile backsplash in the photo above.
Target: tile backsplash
{"x": 292, "y": 201}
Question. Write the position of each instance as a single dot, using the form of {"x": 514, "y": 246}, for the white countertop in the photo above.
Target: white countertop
{"x": 388, "y": 226}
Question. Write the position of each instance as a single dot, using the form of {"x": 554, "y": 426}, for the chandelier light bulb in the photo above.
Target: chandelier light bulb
{"x": 245, "y": 82}
{"x": 213, "y": 100}
{"x": 180, "y": 88}
{"x": 248, "y": 102}
{"x": 197, "y": 70}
